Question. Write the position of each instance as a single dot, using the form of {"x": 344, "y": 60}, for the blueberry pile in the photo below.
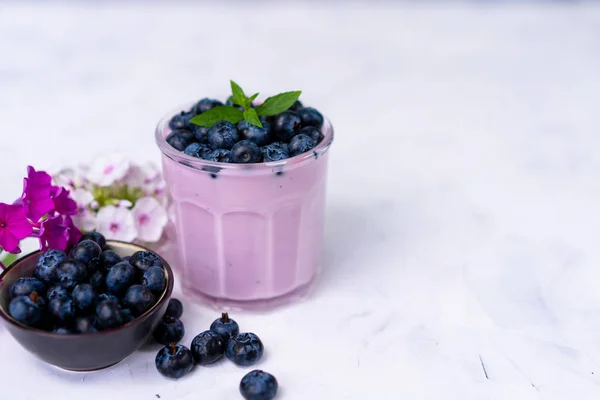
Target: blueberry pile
{"x": 223, "y": 338}
{"x": 285, "y": 135}
{"x": 89, "y": 290}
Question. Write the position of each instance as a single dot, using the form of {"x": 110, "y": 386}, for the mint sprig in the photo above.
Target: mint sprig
{"x": 272, "y": 106}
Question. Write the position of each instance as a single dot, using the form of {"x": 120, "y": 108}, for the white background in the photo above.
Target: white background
{"x": 462, "y": 220}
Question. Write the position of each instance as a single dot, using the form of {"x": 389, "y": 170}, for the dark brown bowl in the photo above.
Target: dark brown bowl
{"x": 89, "y": 351}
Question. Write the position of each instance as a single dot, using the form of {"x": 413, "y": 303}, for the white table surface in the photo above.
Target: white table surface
{"x": 464, "y": 189}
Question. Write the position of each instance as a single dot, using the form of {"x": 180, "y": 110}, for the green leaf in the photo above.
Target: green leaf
{"x": 254, "y": 96}
{"x": 251, "y": 116}
{"x": 9, "y": 258}
{"x": 239, "y": 97}
{"x": 214, "y": 115}
{"x": 278, "y": 104}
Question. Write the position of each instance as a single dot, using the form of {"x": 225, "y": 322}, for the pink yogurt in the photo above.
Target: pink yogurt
{"x": 247, "y": 235}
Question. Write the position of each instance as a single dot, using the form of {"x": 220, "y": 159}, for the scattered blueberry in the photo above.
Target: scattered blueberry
{"x": 62, "y": 331}
{"x": 27, "y": 309}
{"x": 45, "y": 268}
{"x": 258, "y": 385}
{"x": 57, "y": 291}
{"x": 286, "y": 125}
{"x": 85, "y": 297}
{"x": 85, "y": 250}
{"x": 274, "y": 152}
{"x": 138, "y": 299}
{"x": 174, "y": 361}
{"x": 109, "y": 258}
{"x": 180, "y": 139}
{"x": 313, "y": 133}
{"x": 223, "y": 135}
{"x": 218, "y": 155}
{"x": 174, "y": 309}
{"x": 85, "y": 325}
{"x": 145, "y": 259}
{"x": 244, "y": 349}
{"x": 169, "y": 330}
{"x": 62, "y": 309}
{"x": 225, "y": 326}
{"x": 301, "y": 143}
{"x": 71, "y": 272}
{"x": 245, "y": 152}
{"x": 207, "y": 347}
{"x": 179, "y": 121}
{"x": 197, "y": 150}
{"x": 24, "y": 287}
{"x": 154, "y": 279}
{"x": 120, "y": 277}
{"x": 260, "y": 136}
{"x": 108, "y": 314}
{"x": 205, "y": 105}
{"x": 95, "y": 237}
{"x": 311, "y": 117}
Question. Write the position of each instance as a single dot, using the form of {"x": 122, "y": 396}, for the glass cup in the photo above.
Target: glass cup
{"x": 246, "y": 235}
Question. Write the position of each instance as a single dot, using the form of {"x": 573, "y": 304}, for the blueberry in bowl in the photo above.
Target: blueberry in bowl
{"x": 74, "y": 324}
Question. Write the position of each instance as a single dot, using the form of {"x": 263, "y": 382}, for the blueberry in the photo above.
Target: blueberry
{"x": 169, "y": 330}
{"x": 24, "y": 287}
{"x": 86, "y": 250}
{"x": 174, "y": 361}
{"x": 200, "y": 134}
{"x": 27, "y": 309}
{"x": 108, "y": 314}
{"x": 95, "y": 237}
{"x": 62, "y": 331}
{"x": 85, "y": 325}
{"x": 180, "y": 139}
{"x": 145, "y": 259}
{"x": 62, "y": 309}
{"x": 127, "y": 315}
{"x": 94, "y": 265}
{"x": 225, "y": 326}
{"x": 197, "y": 150}
{"x": 274, "y": 152}
{"x": 311, "y": 117}
{"x": 218, "y": 155}
{"x": 138, "y": 299}
{"x": 109, "y": 258}
{"x": 154, "y": 279}
{"x": 205, "y": 105}
{"x": 71, "y": 272}
{"x": 174, "y": 309}
{"x": 244, "y": 349}
{"x": 108, "y": 296}
{"x": 297, "y": 106}
{"x": 245, "y": 152}
{"x": 258, "y": 385}
{"x": 85, "y": 297}
{"x": 223, "y": 135}
{"x": 207, "y": 347}
{"x": 313, "y": 132}
{"x": 301, "y": 143}
{"x": 98, "y": 280}
{"x": 286, "y": 125}
{"x": 260, "y": 136}
{"x": 180, "y": 121}
{"x": 120, "y": 277}
{"x": 45, "y": 268}
{"x": 57, "y": 291}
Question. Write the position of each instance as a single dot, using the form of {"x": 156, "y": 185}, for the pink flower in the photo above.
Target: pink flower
{"x": 36, "y": 194}
{"x": 13, "y": 227}
{"x": 74, "y": 232}
{"x": 63, "y": 204}
{"x": 54, "y": 233}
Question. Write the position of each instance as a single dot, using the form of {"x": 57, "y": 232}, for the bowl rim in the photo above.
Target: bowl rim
{"x": 166, "y": 295}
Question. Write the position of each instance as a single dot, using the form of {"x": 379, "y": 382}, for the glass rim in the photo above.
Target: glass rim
{"x": 214, "y": 166}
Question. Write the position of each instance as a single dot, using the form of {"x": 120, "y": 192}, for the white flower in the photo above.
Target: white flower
{"x": 70, "y": 178}
{"x": 84, "y": 219}
{"x": 106, "y": 170}
{"x": 142, "y": 175}
{"x": 116, "y": 223}
{"x": 150, "y": 219}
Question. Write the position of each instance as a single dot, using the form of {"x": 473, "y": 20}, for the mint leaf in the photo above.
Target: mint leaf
{"x": 239, "y": 97}
{"x": 214, "y": 115}
{"x": 251, "y": 116}
{"x": 278, "y": 104}
{"x": 254, "y": 96}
